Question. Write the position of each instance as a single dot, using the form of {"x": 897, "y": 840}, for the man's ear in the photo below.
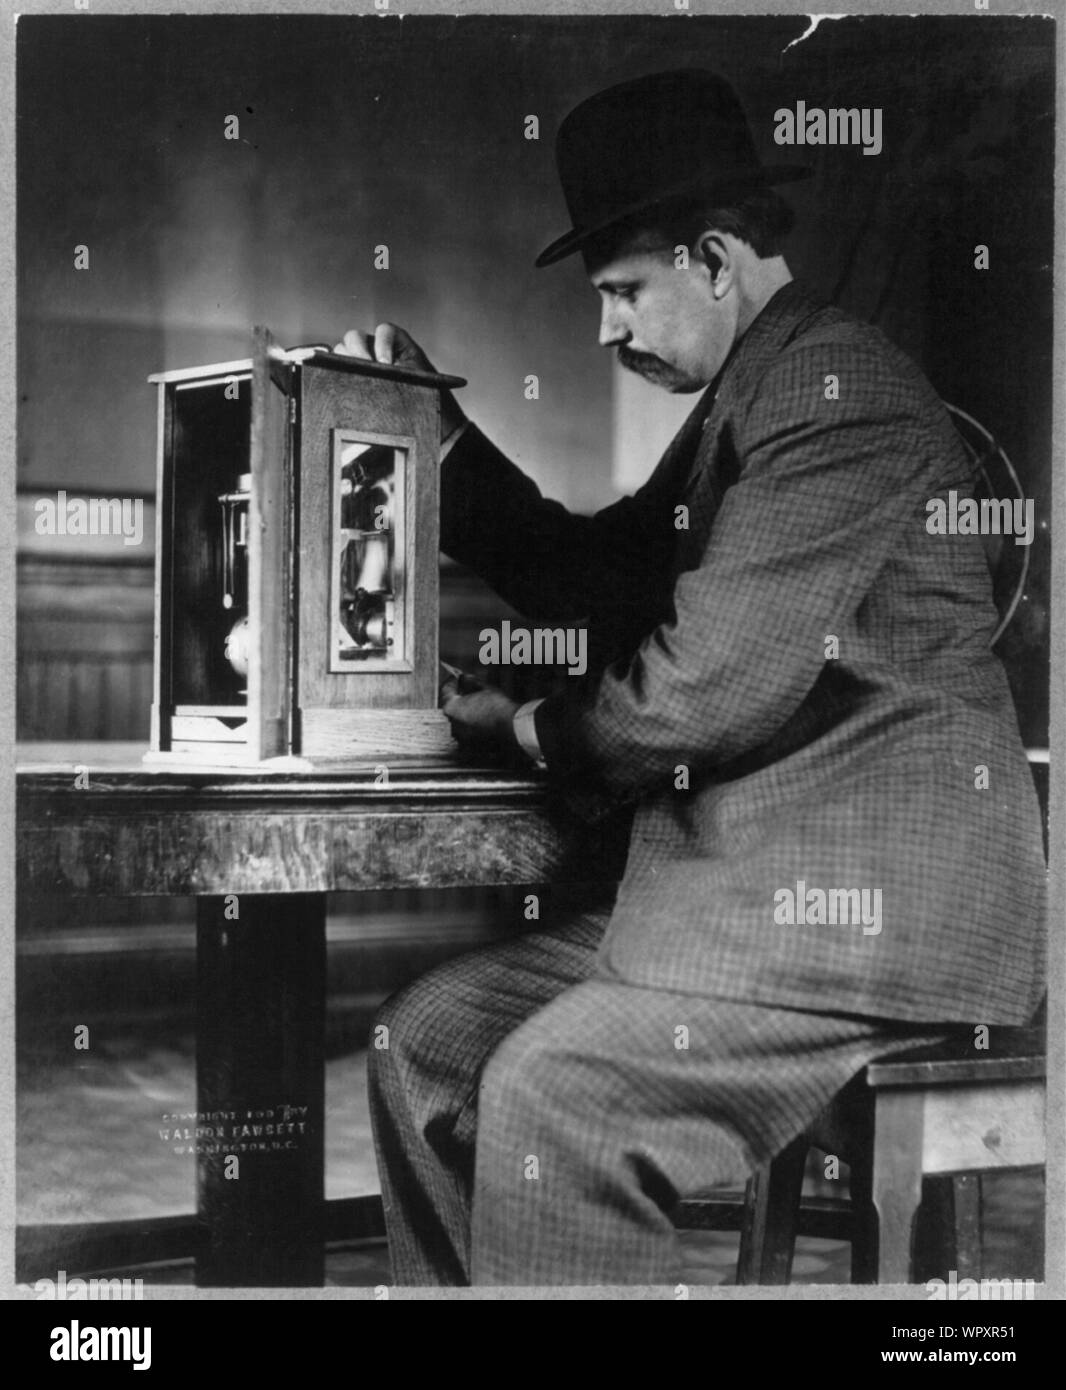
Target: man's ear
{"x": 717, "y": 256}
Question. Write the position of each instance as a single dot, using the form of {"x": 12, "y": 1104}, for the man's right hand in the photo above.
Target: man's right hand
{"x": 394, "y": 346}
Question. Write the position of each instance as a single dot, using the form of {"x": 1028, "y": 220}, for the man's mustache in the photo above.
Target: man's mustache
{"x": 639, "y": 361}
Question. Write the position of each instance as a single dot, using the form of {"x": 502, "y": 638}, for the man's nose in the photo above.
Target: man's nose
{"x": 612, "y": 333}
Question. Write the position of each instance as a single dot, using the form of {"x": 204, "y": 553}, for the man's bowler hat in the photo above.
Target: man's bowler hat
{"x": 649, "y": 141}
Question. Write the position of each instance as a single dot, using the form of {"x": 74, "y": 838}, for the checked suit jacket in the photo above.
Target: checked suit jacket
{"x": 708, "y": 640}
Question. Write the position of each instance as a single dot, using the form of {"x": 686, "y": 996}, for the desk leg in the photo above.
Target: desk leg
{"x": 260, "y": 1060}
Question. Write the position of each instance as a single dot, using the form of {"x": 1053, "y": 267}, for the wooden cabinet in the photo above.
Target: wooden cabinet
{"x": 297, "y": 594}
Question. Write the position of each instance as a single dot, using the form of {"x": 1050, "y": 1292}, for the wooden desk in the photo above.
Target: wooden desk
{"x": 260, "y": 851}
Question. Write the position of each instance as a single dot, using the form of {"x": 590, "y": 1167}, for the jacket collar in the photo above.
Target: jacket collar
{"x": 766, "y": 335}
{"x": 749, "y": 357}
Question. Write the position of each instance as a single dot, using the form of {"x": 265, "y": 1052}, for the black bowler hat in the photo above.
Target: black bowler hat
{"x": 651, "y": 140}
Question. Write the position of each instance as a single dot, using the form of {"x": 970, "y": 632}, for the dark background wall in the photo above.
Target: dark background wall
{"x": 361, "y": 131}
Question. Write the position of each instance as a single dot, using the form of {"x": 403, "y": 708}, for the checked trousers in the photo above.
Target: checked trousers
{"x": 535, "y": 1118}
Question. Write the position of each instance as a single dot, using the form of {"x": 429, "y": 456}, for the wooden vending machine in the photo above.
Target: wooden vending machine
{"x": 297, "y": 595}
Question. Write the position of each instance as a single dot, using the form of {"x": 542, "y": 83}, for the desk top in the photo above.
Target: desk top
{"x": 116, "y": 771}
{"x": 124, "y": 828}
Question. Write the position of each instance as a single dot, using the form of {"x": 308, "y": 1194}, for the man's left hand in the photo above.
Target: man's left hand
{"x": 482, "y": 720}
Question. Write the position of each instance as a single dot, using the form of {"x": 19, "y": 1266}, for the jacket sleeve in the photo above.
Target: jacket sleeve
{"x": 542, "y": 559}
{"x": 825, "y": 489}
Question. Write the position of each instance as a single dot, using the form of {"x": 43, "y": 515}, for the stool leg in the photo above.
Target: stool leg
{"x": 771, "y": 1214}
{"x": 966, "y": 1190}
{"x": 846, "y": 1127}
{"x": 863, "y": 1219}
{"x": 896, "y": 1189}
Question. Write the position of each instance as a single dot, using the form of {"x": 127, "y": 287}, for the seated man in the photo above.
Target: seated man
{"x": 835, "y": 847}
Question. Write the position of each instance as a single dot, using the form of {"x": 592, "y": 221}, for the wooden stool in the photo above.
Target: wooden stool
{"x": 925, "y": 1122}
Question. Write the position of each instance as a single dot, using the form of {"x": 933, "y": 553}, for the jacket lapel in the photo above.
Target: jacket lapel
{"x": 680, "y": 454}
{"x": 745, "y": 365}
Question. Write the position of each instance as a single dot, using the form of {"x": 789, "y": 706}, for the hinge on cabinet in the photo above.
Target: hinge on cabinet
{"x": 292, "y": 410}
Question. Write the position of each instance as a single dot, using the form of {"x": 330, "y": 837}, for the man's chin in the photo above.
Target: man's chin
{"x": 676, "y": 385}
{"x": 683, "y": 388}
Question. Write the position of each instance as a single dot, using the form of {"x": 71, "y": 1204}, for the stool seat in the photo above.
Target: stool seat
{"x": 919, "y": 1124}
{"x": 1019, "y": 1055}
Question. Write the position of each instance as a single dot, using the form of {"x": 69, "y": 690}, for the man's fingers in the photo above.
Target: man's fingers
{"x": 355, "y": 344}
{"x": 389, "y": 343}
{"x": 450, "y": 698}
{"x": 449, "y": 693}
{"x": 394, "y": 344}
{"x": 386, "y": 342}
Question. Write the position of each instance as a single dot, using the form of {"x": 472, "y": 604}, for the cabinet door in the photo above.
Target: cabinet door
{"x": 270, "y": 553}
{"x": 368, "y": 527}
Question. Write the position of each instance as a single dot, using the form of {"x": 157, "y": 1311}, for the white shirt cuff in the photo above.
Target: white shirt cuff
{"x": 525, "y": 731}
